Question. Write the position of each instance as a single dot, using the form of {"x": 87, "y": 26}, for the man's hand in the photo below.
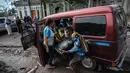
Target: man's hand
{"x": 64, "y": 51}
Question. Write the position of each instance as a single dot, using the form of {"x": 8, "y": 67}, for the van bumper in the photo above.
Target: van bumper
{"x": 116, "y": 63}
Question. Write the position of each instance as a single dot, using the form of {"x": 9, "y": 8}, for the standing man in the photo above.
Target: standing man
{"x": 18, "y": 22}
{"x": 25, "y": 19}
{"x": 7, "y": 26}
{"x": 28, "y": 20}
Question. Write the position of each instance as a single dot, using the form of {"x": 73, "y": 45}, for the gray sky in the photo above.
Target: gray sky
{"x": 2, "y": 2}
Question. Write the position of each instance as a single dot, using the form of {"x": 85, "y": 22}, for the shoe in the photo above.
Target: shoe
{"x": 51, "y": 67}
{"x": 68, "y": 67}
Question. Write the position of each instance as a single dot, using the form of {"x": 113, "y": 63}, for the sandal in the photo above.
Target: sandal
{"x": 68, "y": 67}
{"x": 51, "y": 67}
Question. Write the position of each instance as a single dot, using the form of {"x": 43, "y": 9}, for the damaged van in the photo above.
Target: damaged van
{"x": 104, "y": 29}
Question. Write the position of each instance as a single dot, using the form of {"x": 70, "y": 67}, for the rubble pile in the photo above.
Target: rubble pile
{"x": 6, "y": 69}
{"x": 11, "y": 50}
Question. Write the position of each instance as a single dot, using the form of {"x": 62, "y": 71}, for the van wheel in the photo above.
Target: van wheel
{"x": 89, "y": 63}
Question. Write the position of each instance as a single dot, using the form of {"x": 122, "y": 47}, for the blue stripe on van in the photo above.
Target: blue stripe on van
{"x": 102, "y": 44}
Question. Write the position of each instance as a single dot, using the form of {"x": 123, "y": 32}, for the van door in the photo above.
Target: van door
{"x": 28, "y": 36}
{"x": 31, "y": 37}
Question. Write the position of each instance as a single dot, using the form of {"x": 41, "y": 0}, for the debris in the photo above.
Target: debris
{"x": 10, "y": 46}
{"x": 115, "y": 68}
{"x": 6, "y": 69}
{"x": 39, "y": 63}
{"x": 33, "y": 70}
{"x": 23, "y": 68}
{"x": 1, "y": 52}
{"x": 12, "y": 51}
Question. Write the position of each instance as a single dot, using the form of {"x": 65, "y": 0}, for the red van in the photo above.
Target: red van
{"x": 104, "y": 29}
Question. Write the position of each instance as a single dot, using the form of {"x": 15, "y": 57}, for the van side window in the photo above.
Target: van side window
{"x": 91, "y": 25}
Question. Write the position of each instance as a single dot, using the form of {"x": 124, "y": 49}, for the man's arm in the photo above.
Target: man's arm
{"x": 46, "y": 35}
{"x": 76, "y": 45}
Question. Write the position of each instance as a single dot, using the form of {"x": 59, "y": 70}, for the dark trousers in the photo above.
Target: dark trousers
{"x": 19, "y": 28}
{"x": 51, "y": 53}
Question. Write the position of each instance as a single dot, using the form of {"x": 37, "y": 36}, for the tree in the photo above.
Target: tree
{"x": 2, "y": 14}
{"x": 11, "y": 12}
{"x": 75, "y": 1}
{"x": 7, "y": 7}
{"x": 3, "y": 10}
{"x": 14, "y": 3}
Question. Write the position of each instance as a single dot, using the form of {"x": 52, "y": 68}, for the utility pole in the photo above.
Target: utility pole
{"x": 97, "y": 2}
{"x": 44, "y": 3}
{"x": 29, "y": 3}
{"x": 89, "y": 3}
{"x": 41, "y": 8}
{"x": 7, "y": 8}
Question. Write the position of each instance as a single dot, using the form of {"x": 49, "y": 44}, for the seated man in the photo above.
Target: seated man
{"x": 79, "y": 47}
{"x": 59, "y": 35}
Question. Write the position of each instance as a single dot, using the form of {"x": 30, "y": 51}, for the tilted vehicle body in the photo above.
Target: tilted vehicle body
{"x": 104, "y": 29}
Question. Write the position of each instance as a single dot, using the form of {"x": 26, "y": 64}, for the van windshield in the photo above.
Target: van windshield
{"x": 91, "y": 25}
{"x": 2, "y": 21}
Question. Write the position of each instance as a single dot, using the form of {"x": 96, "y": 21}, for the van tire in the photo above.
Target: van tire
{"x": 92, "y": 63}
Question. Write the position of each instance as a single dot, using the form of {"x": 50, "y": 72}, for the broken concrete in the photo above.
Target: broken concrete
{"x": 6, "y": 69}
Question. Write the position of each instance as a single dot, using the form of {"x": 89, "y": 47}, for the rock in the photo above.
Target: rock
{"x": 23, "y": 68}
{"x": 1, "y": 52}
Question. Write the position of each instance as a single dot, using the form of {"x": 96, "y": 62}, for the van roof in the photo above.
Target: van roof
{"x": 99, "y": 9}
